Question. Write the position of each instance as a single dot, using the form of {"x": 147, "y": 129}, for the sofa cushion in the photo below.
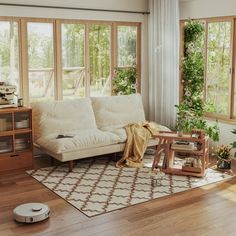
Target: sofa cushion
{"x": 117, "y": 111}
{"x": 59, "y": 117}
{"x": 80, "y": 140}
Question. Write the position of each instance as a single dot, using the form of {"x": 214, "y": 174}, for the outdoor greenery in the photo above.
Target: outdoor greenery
{"x": 99, "y": 57}
{"x": 9, "y": 53}
{"x": 126, "y": 45}
{"x": 218, "y": 66}
{"x": 191, "y": 110}
{"x": 73, "y": 45}
{"x": 124, "y": 81}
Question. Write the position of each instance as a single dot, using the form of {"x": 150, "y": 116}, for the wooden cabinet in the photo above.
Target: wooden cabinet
{"x": 16, "y": 146}
{"x": 197, "y": 151}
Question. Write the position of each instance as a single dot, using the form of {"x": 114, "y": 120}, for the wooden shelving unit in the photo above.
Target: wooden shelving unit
{"x": 201, "y": 153}
{"x": 16, "y": 146}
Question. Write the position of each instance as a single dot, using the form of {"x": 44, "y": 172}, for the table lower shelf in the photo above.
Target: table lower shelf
{"x": 178, "y": 171}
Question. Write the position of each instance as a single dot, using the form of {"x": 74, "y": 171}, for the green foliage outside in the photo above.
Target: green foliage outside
{"x": 73, "y": 45}
{"x": 191, "y": 110}
{"x": 126, "y": 45}
{"x": 99, "y": 55}
{"x": 124, "y": 81}
{"x": 9, "y": 53}
{"x": 219, "y": 65}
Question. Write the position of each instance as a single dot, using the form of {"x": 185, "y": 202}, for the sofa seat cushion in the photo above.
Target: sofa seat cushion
{"x": 117, "y": 111}
{"x": 83, "y": 139}
{"x": 58, "y": 117}
{"x": 121, "y": 133}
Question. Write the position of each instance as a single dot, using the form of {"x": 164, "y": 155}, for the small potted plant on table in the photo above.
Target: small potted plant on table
{"x": 224, "y": 157}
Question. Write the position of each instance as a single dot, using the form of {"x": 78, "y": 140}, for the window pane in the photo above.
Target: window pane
{"x": 235, "y": 100}
{"x": 99, "y": 60}
{"x": 218, "y": 66}
{"x": 73, "y": 60}
{"x": 41, "y": 66}
{"x": 9, "y": 53}
{"x": 127, "y": 37}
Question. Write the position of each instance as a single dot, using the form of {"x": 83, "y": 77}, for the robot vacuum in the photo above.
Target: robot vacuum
{"x": 31, "y": 212}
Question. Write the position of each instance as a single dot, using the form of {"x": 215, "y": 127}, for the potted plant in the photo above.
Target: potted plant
{"x": 223, "y": 157}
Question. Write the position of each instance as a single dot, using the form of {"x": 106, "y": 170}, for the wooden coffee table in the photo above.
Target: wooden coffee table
{"x": 200, "y": 152}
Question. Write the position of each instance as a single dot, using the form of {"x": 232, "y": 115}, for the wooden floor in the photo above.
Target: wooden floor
{"x": 210, "y": 210}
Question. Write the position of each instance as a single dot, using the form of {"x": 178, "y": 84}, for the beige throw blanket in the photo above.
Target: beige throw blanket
{"x": 138, "y": 135}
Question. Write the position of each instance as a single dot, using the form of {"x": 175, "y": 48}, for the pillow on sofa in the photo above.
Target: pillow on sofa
{"x": 60, "y": 117}
{"x": 117, "y": 111}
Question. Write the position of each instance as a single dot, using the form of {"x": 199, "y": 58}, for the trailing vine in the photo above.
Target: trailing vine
{"x": 191, "y": 110}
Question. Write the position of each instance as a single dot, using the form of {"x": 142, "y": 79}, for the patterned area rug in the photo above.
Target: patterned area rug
{"x": 96, "y": 186}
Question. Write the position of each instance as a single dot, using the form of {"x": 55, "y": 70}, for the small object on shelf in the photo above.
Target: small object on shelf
{"x": 20, "y": 102}
{"x": 7, "y": 96}
{"x": 198, "y": 133}
{"x": 180, "y": 133}
{"x": 180, "y": 145}
{"x": 22, "y": 124}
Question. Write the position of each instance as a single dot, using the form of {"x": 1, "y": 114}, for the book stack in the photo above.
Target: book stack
{"x": 21, "y": 144}
{"x": 5, "y": 147}
{"x": 183, "y": 145}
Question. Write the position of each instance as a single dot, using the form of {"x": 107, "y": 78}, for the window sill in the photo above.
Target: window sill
{"x": 221, "y": 119}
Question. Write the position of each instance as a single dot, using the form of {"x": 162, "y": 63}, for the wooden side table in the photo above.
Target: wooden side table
{"x": 166, "y": 147}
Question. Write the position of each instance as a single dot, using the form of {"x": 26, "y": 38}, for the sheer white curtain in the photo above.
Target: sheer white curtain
{"x": 163, "y": 60}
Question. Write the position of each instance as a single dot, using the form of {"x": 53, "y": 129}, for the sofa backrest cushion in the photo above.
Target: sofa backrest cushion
{"x": 117, "y": 111}
{"x": 60, "y": 117}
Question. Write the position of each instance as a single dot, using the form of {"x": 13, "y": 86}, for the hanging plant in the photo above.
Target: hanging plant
{"x": 124, "y": 81}
{"x": 191, "y": 110}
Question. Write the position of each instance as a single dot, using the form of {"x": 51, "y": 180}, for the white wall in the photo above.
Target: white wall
{"x": 206, "y": 8}
{"x": 128, "y": 5}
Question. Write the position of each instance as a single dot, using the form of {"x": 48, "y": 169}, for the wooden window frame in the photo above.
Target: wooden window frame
{"x": 23, "y": 51}
{"x": 231, "y": 117}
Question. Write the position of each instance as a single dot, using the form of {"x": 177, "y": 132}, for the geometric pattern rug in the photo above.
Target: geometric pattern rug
{"x": 96, "y": 186}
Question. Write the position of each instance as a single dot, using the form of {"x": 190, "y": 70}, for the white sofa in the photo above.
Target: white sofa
{"x": 95, "y": 126}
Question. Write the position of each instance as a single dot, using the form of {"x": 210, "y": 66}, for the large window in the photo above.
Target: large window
{"x": 64, "y": 59}
{"x": 9, "y": 53}
{"x": 220, "y": 63}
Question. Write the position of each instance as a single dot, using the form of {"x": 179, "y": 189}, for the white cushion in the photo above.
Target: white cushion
{"x": 83, "y": 139}
{"x": 59, "y": 117}
{"x": 118, "y": 111}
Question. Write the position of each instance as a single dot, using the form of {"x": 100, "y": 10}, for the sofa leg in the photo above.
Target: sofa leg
{"x": 71, "y": 165}
{"x": 51, "y": 161}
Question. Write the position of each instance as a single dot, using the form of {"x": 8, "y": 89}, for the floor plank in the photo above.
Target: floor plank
{"x": 210, "y": 210}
